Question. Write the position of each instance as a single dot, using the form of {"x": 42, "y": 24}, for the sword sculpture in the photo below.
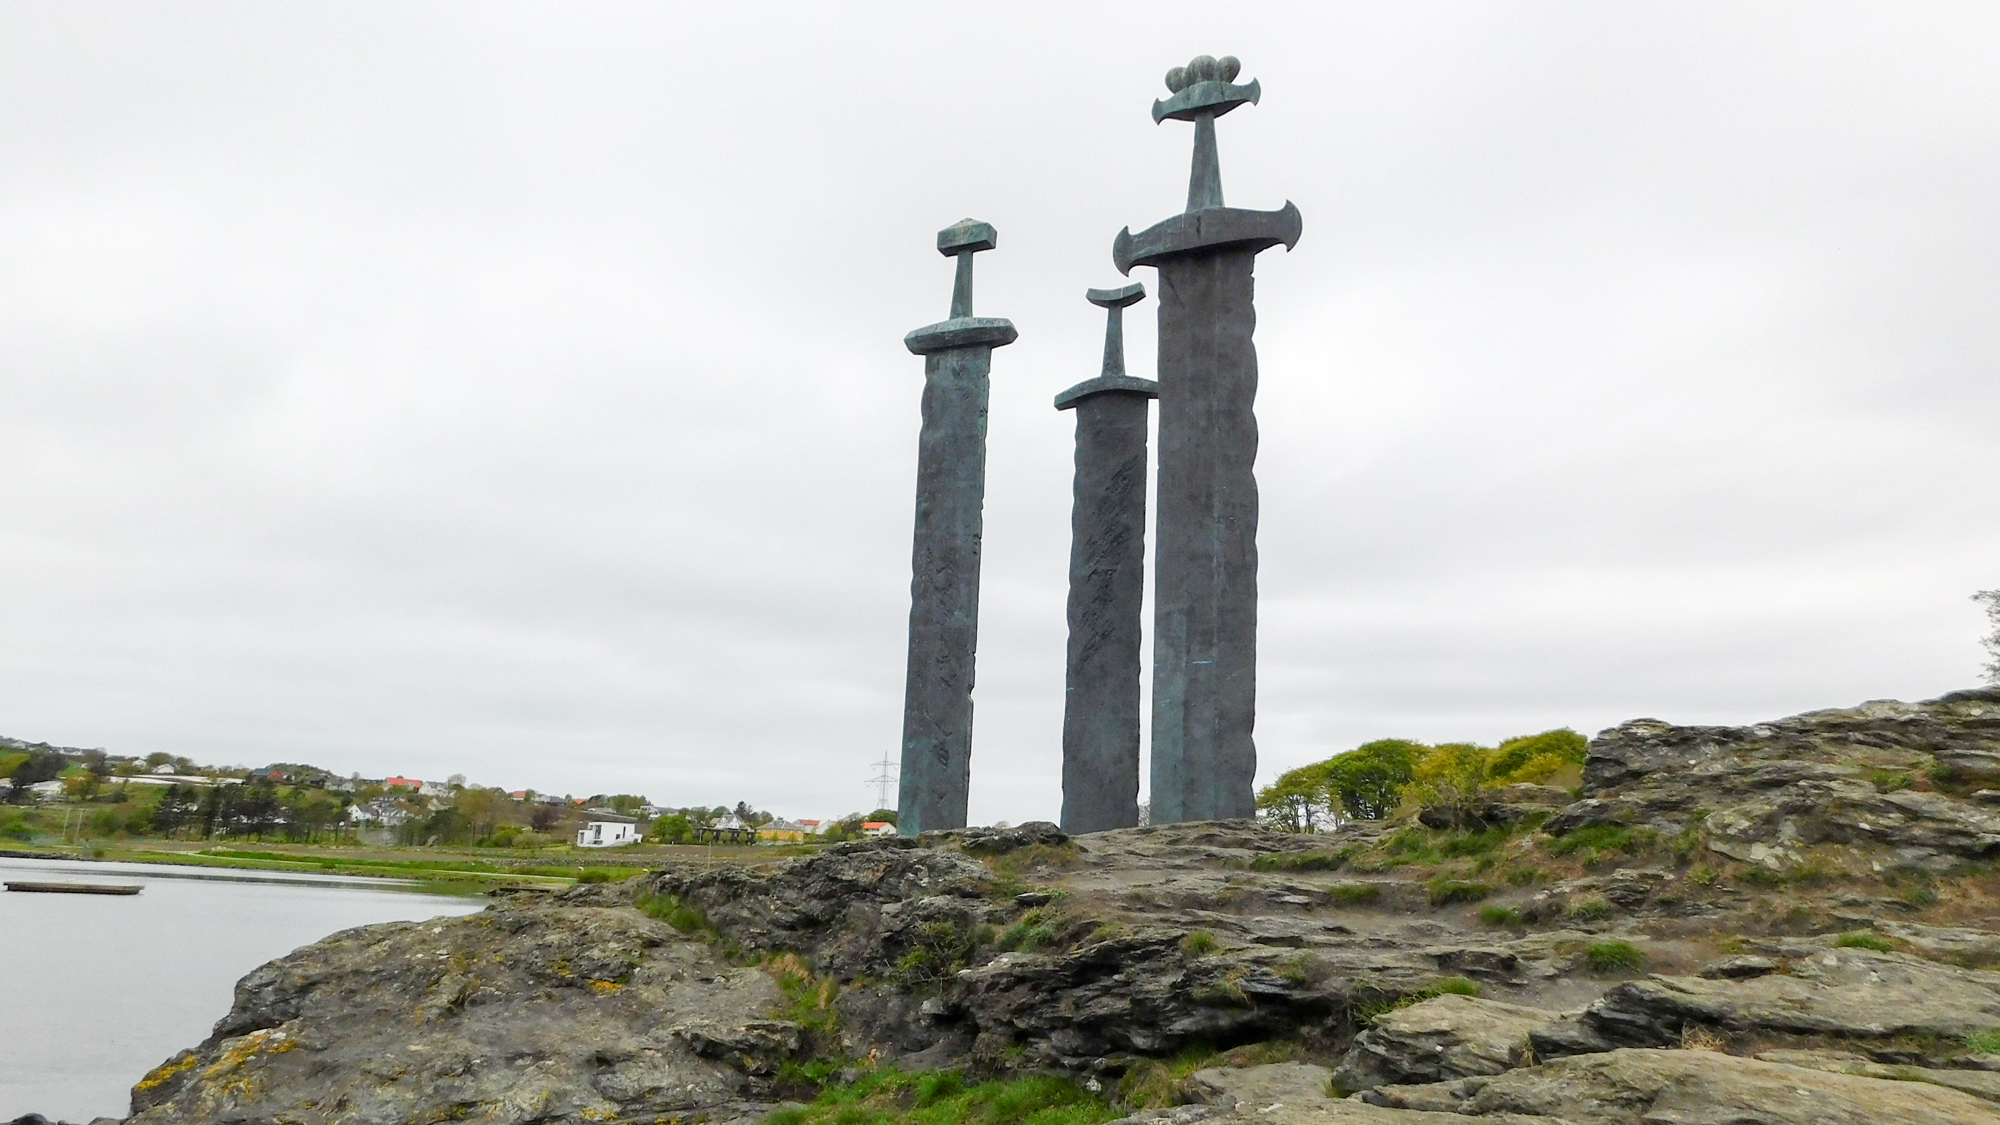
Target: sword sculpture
{"x": 1205, "y": 575}
{"x": 944, "y": 557}
{"x": 1107, "y": 581}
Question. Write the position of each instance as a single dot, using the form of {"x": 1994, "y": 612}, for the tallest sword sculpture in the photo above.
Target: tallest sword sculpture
{"x": 1205, "y": 569}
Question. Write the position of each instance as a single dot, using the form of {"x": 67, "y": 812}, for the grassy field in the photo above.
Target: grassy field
{"x": 446, "y": 869}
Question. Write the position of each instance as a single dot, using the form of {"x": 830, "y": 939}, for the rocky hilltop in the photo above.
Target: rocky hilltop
{"x": 1794, "y": 922}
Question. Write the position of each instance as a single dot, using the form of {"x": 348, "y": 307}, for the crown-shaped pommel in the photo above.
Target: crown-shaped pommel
{"x": 1116, "y": 298}
{"x": 1203, "y": 86}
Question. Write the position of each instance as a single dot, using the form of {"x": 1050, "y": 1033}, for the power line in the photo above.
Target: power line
{"x": 882, "y": 780}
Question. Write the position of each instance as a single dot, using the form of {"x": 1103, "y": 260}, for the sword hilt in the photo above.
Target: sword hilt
{"x": 1202, "y": 93}
{"x": 962, "y": 240}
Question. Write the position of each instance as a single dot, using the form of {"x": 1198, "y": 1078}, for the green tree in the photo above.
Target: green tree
{"x": 1299, "y": 801}
{"x": 1368, "y": 781}
{"x": 883, "y": 814}
{"x": 37, "y": 767}
{"x": 672, "y": 828}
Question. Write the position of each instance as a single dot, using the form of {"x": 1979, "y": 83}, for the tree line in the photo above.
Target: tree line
{"x": 1445, "y": 782}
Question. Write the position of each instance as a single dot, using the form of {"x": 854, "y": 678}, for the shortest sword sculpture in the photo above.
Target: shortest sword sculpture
{"x": 944, "y": 556}
{"x": 1107, "y": 582}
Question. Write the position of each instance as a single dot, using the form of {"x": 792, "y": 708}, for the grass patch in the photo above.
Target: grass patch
{"x": 1157, "y": 1083}
{"x": 1021, "y": 862}
{"x": 1446, "y": 986}
{"x": 1301, "y": 861}
{"x": 1613, "y": 956}
{"x": 1500, "y": 916}
{"x": 1588, "y": 910}
{"x": 1862, "y": 939}
{"x": 1445, "y": 892}
{"x": 1037, "y": 929}
{"x": 1985, "y": 1042}
{"x": 810, "y": 997}
{"x": 1199, "y": 943}
{"x": 671, "y": 910}
{"x": 1355, "y": 894}
{"x": 1603, "y": 838}
{"x": 889, "y": 1097}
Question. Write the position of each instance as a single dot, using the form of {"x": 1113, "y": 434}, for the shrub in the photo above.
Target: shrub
{"x": 1536, "y": 757}
{"x": 1500, "y": 916}
{"x": 1199, "y": 943}
{"x": 1862, "y": 939}
{"x": 1449, "y": 779}
{"x": 1444, "y": 892}
{"x": 937, "y": 950}
{"x": 1613, "y": 956}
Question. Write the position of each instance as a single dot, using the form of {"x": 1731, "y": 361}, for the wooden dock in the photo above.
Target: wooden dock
{"x": 76, "y": 888}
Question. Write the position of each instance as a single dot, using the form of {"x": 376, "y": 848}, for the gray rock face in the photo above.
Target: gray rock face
{"x": 1870, "y": 1001}
{"x": 1438, "y": 1040}
{"x": 1767, "y": 794}
{"x": 543, "y": 1013}
{"x": 1653, "y": 1087}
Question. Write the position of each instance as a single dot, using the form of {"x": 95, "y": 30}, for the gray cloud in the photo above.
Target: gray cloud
{"x": 517, "y": 390}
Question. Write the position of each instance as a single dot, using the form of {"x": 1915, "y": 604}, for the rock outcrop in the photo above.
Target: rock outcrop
{"x": 519, "y": 1014}
{"x": 1792, "y": 922}
{"x": 1441, "y": 1039}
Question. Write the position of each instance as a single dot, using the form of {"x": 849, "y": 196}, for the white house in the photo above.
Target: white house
{"x": 603, "y": 829}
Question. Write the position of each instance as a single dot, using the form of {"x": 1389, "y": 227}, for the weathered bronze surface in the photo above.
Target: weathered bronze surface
{"x": 944, "y": 555}
{"x": 1204, "y": 757}
{"x": 1107, "y": 564}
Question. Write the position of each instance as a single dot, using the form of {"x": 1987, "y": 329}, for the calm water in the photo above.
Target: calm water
{"x": 95, "y": 990}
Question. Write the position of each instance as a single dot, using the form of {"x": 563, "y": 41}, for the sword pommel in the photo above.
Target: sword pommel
{"x": 962, "y": 240}
{"x": 966, "y": 236}
{"x": 1115, "y": 298}
{"x": 1203, "y": 86}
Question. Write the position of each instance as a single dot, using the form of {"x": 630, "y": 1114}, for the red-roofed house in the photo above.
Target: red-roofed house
{"x": 401, "y": 783}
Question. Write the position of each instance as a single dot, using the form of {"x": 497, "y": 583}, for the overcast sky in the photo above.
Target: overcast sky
{"x": 518, "y": 390}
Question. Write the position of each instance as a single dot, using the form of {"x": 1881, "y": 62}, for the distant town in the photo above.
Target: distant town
{"x": 67, "y": 794}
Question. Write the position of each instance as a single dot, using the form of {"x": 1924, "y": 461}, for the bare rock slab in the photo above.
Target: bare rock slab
{"x": 544, "y": 1013}
{"x": 1854, "y": 995}
{"x": 1655, "y": 1087}
{"x": 1440, "y": 1039}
